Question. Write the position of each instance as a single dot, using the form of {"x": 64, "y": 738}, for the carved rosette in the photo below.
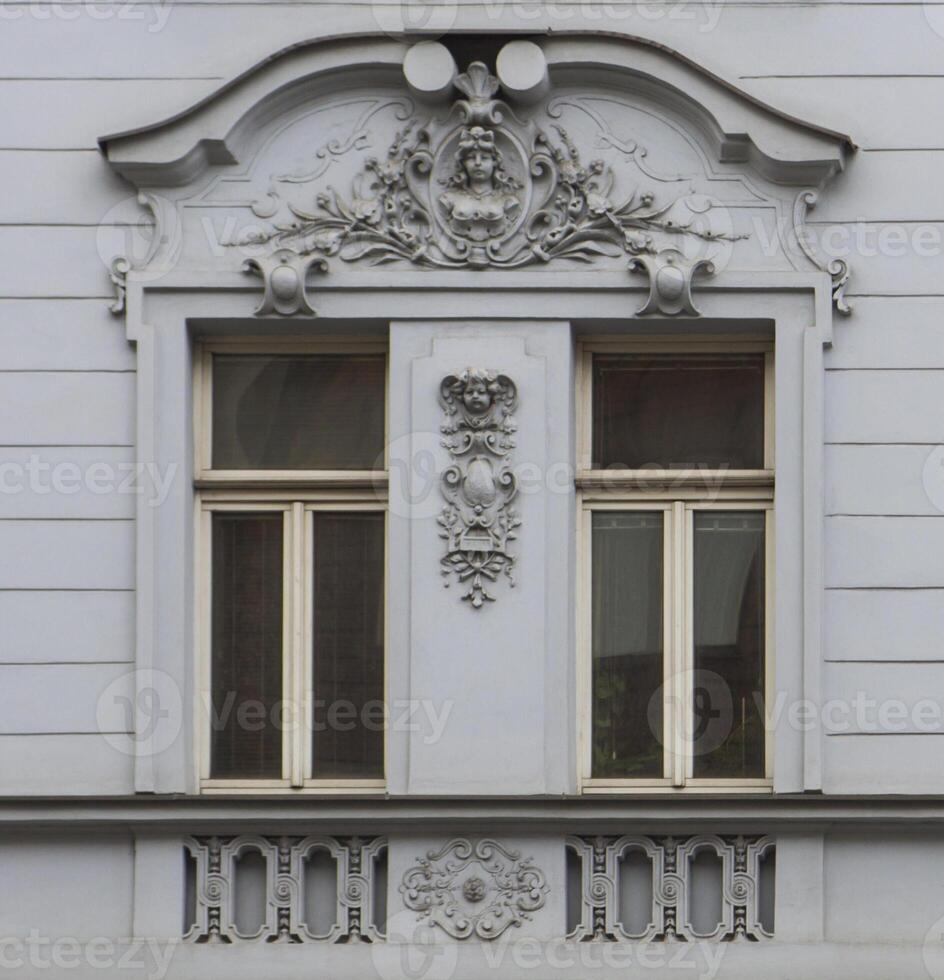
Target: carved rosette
{"x": 478, "y": 521}
{"x": 474, "y": 889}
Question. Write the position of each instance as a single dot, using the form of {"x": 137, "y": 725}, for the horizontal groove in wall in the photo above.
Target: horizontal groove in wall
{"x": 900, "y": 74}
{"x": 66, "y": 734}
{"x": 68, "y": 445}
{"x": 883, "y": 660}
{"x": 890, "y": 517}
{"x": 117, "y": 225}
{"x": 74, "y": 665}
{"x": 39, "y": 588}
{"x": 911, "y": 734}
{"x": 900, "y": 370}
{"x": 928, "y": 445}
{"x": 111, "y": 78}
{"x": 884, "y": 588}
{"x": 67, "y": 520}
{"x": 68, "y": 371}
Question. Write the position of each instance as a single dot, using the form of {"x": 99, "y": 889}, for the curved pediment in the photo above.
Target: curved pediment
{"x": 584, "y": 151}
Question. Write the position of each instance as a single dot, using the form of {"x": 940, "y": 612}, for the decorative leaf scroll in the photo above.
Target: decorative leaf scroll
{"x": 478, "y": 889}
{"x": 478, "y": 521}
{"x": 481, "y": 189}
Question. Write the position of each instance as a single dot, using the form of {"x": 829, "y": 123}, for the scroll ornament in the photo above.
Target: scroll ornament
{"x": 474, "y": 889}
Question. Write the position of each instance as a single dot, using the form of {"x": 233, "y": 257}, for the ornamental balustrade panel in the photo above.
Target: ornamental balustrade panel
{"x": 621, "y": 889}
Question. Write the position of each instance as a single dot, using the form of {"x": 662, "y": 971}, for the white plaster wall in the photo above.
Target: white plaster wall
{"x": 883, "y": 893}
{"x": 67, "y": 373}
{"x": 78, "y": 887}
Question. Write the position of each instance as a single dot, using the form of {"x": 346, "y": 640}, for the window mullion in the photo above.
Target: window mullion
{"x": 205, "y": 643}
{"x": 686, "y": 617}
{"x": 770, "y": 426}
{"x": 680, "y": 706}
{"x": 293, "y": 738}
{"x": 306, "y": 651}
{"x": 770, "y": 686}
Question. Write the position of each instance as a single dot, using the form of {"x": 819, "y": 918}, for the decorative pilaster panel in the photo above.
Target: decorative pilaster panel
{"x": 481, "y": 411}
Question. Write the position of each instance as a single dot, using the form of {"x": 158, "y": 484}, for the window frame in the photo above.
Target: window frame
{"x": 298, "y": 495}
{"x": 677, "y": 494}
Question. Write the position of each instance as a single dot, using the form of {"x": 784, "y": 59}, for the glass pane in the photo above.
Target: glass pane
{"x": 348, "y": 626}
{"x": 298, "y": 412}
{"x": 627, "y": 644}
{"x": 728, "y": 737}
{"x": 246, "y": 664}
{"x": 678, "y": 411}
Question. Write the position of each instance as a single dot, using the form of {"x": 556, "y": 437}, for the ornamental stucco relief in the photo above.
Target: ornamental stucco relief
{"x": 673, "y": 892}
{"x": 475, "y": 889}
{"x": 595, "y": 163}
{"x": 482, "y": 188}
{"x": 478, "y": 522}
{"x": 216, "y": 858}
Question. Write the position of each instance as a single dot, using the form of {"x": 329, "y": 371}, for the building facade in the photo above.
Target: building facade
{"x": 471, "y": 491}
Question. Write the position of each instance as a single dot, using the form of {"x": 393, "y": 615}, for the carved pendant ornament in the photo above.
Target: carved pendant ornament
{"x": 474, "y": 889}
{"x": 478, "y": 521}
{"x": 482, "y": 188}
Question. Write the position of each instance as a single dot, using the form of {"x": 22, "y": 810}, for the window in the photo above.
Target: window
{"x": 291, "y": 486}
{"x": 676, "y": 489}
